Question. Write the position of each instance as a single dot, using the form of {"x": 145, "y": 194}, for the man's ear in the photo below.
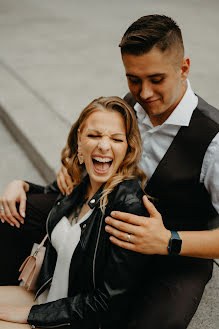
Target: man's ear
{"x": 185, "y": 66}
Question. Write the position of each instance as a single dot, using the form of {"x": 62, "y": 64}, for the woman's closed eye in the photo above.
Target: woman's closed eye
{"x": 117, "y": 140}
{"x": 93, "y": 136}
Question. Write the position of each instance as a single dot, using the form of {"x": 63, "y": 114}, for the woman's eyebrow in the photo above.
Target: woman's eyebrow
{"x": 114, "y": 134}
{"x": 94, "y": 130}
{"x": 100, "y": 132}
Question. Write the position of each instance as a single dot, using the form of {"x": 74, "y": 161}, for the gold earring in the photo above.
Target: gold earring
{"x": 80, "y": 158}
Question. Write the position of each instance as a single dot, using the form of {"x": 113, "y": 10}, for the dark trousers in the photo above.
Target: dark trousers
{"x": 16, "y": 243}
{"x": 171, "y": 290}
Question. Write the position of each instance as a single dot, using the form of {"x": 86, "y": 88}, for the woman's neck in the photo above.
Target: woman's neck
{"x": 92, "y": 189}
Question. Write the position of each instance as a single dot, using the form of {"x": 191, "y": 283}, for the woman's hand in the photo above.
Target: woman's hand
{"x": 18, "y": 314}
{"x": 146, "y": 235}
{"x": 64, "y": 181}
{"x": 14, "y": 193}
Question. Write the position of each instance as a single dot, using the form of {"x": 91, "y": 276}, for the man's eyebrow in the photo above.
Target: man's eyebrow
{"x": 156, "y": 75}
{"x": 131, "y": 75}
{"x": 149, "y": 76}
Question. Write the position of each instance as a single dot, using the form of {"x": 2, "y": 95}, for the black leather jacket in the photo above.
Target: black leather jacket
{"x": 103, "y": 278}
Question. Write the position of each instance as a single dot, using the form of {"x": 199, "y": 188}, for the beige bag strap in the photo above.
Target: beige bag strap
{"x": 40, "y": 245}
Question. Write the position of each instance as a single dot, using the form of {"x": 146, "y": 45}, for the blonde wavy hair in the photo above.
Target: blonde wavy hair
{"x": 128, "y": 169}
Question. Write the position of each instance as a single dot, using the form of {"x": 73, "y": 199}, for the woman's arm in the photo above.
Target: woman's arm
{"x": 14, "y": 193}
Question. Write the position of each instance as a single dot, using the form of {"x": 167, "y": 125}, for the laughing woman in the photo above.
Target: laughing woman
{"x": 86, "y": 281}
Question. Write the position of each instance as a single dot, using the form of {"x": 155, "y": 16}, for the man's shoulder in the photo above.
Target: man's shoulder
{"x": 208, "y": 110}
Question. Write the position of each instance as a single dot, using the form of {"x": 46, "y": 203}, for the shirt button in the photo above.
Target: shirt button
{"x": 58, "y": 203}
{"x": 92, "y": 201}
{"x": 84, "y": 226}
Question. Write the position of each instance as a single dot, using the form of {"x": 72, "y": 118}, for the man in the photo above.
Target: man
{"x": 180, "y": 156}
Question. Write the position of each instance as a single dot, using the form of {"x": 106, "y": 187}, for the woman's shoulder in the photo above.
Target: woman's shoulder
{"x": 129, "y": 188}
{"x": 127, "y": 197}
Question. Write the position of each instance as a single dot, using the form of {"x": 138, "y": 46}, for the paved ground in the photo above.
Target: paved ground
{"x": 14, "y": 162}
{"x": 56, "y": 56}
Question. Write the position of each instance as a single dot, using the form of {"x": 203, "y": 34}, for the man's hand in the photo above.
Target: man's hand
{"x": 146, "y": 235}
{"x": 18, "y": 314}
{"x": 64, "y": 181}
{"x": 14, "y": 193}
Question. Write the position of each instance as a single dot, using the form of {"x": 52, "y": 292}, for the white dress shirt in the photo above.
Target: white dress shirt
{"x": 156, "y": 141}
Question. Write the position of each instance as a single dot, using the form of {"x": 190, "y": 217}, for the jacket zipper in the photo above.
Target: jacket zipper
{"x": 95, "y": 252}
{"x": 37, "y": 293}
{"x": 55, "y": 326}
{"x": 47, "y": 230}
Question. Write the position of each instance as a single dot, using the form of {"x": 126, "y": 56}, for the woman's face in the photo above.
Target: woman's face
{"x": 102, "y": 143}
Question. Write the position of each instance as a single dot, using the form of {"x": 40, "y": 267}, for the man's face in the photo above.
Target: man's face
{"x": 157, "y": 80}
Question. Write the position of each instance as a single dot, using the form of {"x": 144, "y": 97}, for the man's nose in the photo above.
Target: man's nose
{"x": 146, "y": 91}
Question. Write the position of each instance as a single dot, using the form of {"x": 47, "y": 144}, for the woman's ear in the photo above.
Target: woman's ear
{"x": 80, "y": 156}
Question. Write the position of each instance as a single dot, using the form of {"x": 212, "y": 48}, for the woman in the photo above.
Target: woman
{"x": 86, "y": 281}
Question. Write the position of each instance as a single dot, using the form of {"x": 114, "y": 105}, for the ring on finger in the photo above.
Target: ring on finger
{"x": 128, "y": 237}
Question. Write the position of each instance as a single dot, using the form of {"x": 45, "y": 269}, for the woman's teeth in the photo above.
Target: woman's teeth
{"x": 102, "y": 159}
{"x": 102, "y": 165}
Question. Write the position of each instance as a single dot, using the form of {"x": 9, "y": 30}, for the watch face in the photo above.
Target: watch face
{"x": 176, "y": 246}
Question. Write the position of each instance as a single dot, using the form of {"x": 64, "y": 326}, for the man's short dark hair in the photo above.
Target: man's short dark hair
{"x": 149, "y": 31}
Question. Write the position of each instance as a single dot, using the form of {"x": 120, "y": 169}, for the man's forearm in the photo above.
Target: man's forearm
{"x": 203, "y": 244}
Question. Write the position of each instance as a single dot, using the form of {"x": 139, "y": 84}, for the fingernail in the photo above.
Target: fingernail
{"x": 22, "y": 222}
{"x": 2, "y": 220}
{"x": 17, "y": 225}
{"x": 113, "y": 213}
{"x": 23, "y": 214}
{"x": 107, "y": 228}
{"x": 107, "y": 219}
{"x": 11, "y": 224}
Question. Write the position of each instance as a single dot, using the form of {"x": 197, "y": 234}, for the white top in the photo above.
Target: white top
{"x": 156, "y": 141}
{"x": 65, "y": 239}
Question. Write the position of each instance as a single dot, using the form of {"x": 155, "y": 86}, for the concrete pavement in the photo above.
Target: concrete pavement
{"x": 14, "y": 162}
{"x": 56, "y": 56}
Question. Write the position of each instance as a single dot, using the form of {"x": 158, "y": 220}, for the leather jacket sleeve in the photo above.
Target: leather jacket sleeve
{"x": 50, "y": 188}
{"x": 112, "y": 295}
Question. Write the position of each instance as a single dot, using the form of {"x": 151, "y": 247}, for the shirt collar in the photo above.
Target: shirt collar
{"x": 181, "y": 116}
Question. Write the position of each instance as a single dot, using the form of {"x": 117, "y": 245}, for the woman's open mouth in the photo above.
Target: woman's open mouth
{"x": 102, "y": 165}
